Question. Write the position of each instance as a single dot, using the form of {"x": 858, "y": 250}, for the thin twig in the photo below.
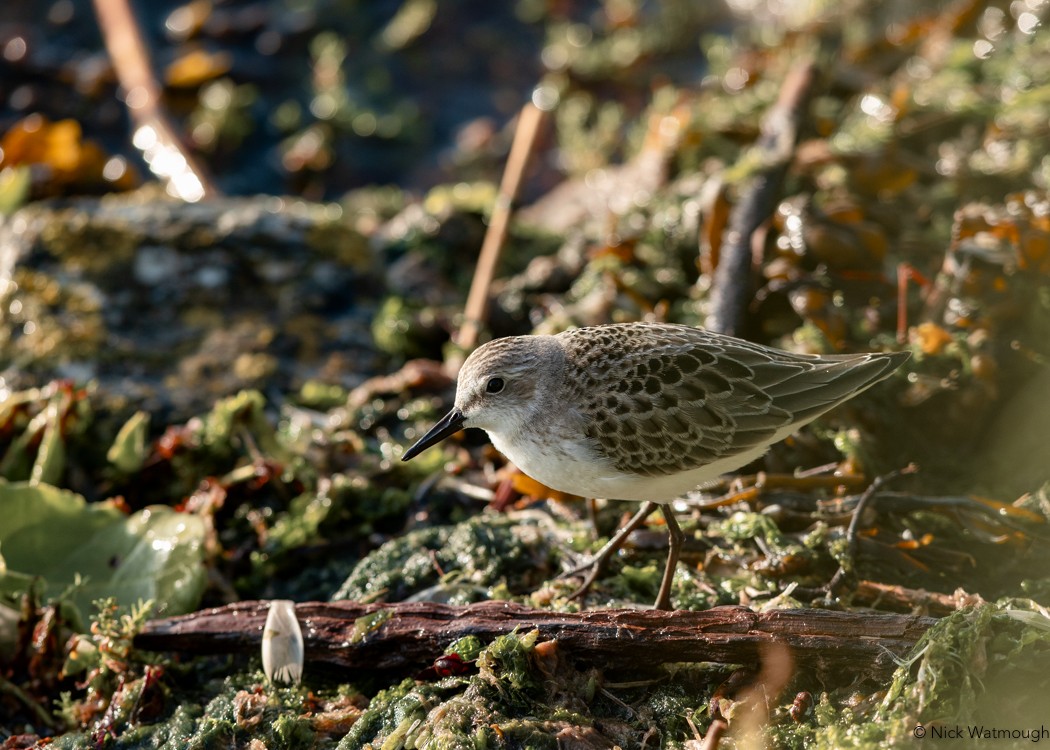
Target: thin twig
{"x": 40, "y": 714}
{"x": 474, "y": 317}
{"x": 853, "y": 531}
{"x": 155, "y": 135}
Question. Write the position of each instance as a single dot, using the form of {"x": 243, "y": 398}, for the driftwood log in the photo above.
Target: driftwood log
{"x": 350, "y": 636}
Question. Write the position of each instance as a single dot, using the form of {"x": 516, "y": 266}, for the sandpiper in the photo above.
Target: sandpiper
{"x": 644, "y": 411}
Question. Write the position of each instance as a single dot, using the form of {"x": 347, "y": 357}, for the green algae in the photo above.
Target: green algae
{"x": 367, "y": 624}
{"x": 463, "y": 562}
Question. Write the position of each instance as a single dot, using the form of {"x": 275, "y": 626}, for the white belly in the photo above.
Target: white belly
{"x": 573, "y": 467}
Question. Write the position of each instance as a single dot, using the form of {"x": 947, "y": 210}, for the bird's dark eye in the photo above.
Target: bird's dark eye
{"x": 495, "y": 385}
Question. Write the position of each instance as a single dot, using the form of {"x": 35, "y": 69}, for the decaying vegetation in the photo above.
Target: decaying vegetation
{"x": 202, "y": 405}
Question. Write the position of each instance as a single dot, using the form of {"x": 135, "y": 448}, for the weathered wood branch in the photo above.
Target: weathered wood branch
{"x": 349, "y": 635}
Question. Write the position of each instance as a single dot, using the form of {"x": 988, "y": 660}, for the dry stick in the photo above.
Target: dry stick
{"x": 163, "y": 148}
{"x": 903, "y": 599}
{"x": 39, "y": 713}
{"x": 867, "y": 498}
{"x": 733, "y": 288}
{"x": 407, "y": 636}
{"x": 529, "y": 122}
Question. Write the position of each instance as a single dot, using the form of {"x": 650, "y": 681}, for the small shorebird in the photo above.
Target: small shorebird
{"x": 644, "y": 411}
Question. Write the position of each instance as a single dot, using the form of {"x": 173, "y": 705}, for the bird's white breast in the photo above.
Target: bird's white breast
{"x": 573, "y": 466}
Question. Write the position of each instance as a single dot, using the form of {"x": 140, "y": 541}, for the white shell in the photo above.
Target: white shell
{"x": 282, "y": 644}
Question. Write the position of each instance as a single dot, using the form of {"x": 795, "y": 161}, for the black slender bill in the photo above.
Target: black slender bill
{"x": 450, "y": 424}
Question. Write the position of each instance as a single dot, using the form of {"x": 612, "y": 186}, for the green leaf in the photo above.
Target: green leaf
{"x": 17, "y": 462}
{"x": 95, "y": 550}
{"x": 51, "y": 458}
{"x": 129, "y": 450}
{"x": 14, "y": 188}
{"x": 39, "y": 452}
{"x": 245, "y": 411}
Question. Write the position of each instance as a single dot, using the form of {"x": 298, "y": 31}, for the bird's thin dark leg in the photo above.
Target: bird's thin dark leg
{"x": 675, "y": 537}
{"x": 597, "y": 563}
{"x": 592, "y": 516}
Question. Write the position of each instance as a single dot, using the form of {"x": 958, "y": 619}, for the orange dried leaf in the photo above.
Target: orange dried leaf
{"x": 526, "y": 485}
{"x": 930, "y": 338}
{"x": 197, "y": 67}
